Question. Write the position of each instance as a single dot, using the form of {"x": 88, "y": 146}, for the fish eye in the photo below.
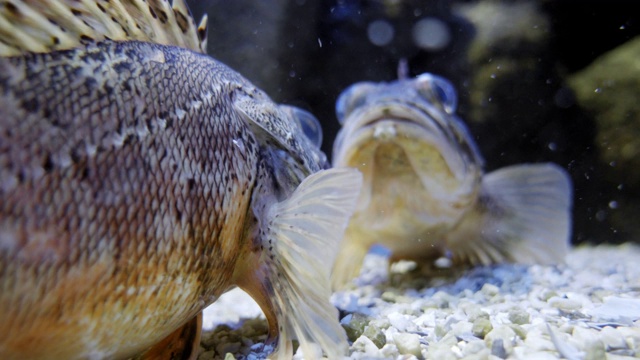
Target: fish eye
{"x": 438, "y": 89}
{"x": 310, "y": 125}
{"x": 350, "y": 99}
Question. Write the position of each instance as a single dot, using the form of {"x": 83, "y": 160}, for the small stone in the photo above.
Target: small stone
{"x": 498, "y": 350}
{"x": 399, "y": 321}
{"x": 490, "y": 290}
{"x": 389, "y": 296}
{"x": 354, "y": 324}
{"x": 481, "y": 327}
{"x": 537, "y": 341}
{"x": 519, "y": 330}
{"x": 440, "y": 331}
{"x": 364, "y": 344}
{"x": 376, "y": 335}
{"x": 226, "y": 348}
{"x": 474, "y": 347}
{"x": 474, "y": 313}
{"x": 389, "y": 351}
{"x": 612, "y": 338}
{"x": 461, "y": 328}
{"x": 442, "y": 350}
{"x": 504, "y": 333}
{"x": 595, "y": 351}
{"x": 547, "y": 294}
{"x": 229, "y": 356}
{"x": 207, "y": 355}
{"x": 618, "y": 309}
{"x": 565, "y": 304}
{"x": 408, "y": 343}
{"x": 518, "y": 316}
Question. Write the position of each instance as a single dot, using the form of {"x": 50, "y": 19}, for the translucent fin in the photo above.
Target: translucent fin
{"x": 349, "y": 262}
{"x": 523, "y": 215}
{"x": 301, "y": 238}
{"x": 47, "y": 25}
{"x": 182, "y": 344}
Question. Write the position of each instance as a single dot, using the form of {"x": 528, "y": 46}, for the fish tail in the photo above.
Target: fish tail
{"x": 523, "y": 216}
{"x": 301, "y": 240}
{"x": 48, "y": 25}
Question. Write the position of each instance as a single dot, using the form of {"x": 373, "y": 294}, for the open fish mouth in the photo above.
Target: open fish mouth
{"x": 393, "y": 122}
{"x": 404, "y": 122}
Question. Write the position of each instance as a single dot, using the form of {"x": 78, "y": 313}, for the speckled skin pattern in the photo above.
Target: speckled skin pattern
{"x": 126, "y": 182}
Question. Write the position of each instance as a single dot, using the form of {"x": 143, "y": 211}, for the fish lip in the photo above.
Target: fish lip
{"x": 421, "y": 120}
{"x": 391, "y": 111}
{"x": 427, "y": 119}
{"x": 445, "y": 131}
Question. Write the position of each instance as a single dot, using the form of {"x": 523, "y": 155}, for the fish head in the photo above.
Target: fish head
{"x": 288, "y": 136}
{"x": 405, "y": 137}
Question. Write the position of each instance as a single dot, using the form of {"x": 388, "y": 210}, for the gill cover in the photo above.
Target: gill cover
{"x": 282, "y": 127}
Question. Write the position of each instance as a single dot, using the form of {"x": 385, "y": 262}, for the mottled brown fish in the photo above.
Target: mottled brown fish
{"x": 141, "y": 179}
{"x": 425, "y": 196}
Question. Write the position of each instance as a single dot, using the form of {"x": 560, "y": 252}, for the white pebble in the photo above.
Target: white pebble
{"x": 408, "y": 343}
{"x": 475, "y": 347}
{"x": 490, "y": 290}
{"x": 365, "y": 345}
{"x": 399, "y": 321}
{"x": 612, "y": 338}
{"x": 565, "y": 304}
{"x": 503, "y": 332}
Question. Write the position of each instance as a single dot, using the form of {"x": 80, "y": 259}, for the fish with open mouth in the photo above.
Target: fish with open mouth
{"x": 425, "y": 195}
{"x": 141, "y": 179}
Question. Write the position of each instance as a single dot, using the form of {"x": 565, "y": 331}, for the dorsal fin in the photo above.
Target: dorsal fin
{"x": 47, "y": 25}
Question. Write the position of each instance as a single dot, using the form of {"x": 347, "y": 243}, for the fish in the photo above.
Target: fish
{"x": 140, "y": 179}
{"x": 425, "y": 196}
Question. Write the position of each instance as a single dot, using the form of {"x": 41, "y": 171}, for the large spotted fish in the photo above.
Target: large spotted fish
{"x": 140, "y": 179}
{"x": 425, "y": 195}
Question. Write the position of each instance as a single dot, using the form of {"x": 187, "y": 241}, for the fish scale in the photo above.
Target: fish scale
{"x": 71, "y": 179}
{"x": 140, "y": 181}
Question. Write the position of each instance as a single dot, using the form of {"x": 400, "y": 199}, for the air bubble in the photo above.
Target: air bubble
{"x": 380, "y": 32}
{"x": 431, "y": 34}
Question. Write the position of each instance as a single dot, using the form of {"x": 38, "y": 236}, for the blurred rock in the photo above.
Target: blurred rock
{"x": 608, "y": 89}
{"x": 354, "y": 325}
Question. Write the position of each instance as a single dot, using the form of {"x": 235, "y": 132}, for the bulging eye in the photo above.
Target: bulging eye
{"x": 436, "y": 88}
{"x": 352, "y": 98}
{"x": 308, "y": 123}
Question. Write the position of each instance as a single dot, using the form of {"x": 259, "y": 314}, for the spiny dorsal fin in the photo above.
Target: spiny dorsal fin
{"x": 47, "y": 25}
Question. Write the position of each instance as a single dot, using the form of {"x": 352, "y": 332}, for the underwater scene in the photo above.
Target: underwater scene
{"x": 535, "y": 82}
{"x": 319, "y": 179}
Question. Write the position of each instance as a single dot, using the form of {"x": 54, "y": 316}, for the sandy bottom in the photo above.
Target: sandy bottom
{"x": 588, "y": 308}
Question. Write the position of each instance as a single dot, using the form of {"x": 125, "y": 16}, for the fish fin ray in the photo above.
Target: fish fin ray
{"x": 306, "y": 230}
{"x": 523, "y": 216}
{"x": 48, "y": 25}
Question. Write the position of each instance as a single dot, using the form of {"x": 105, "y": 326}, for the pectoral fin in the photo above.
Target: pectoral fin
{"x": 182, "y": 344}
{"x": 523, "y": 215}
{"x": 302, "y": 237}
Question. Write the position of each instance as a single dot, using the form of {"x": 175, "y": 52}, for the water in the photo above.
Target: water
{"x": 519, "y": 69}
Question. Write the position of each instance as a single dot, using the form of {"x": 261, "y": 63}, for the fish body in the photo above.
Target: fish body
{"x": 425, "y": 195}
{"x": 139, "y": 182}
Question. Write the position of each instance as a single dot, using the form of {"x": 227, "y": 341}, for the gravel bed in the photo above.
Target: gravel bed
{"x": 588, "y": 308}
